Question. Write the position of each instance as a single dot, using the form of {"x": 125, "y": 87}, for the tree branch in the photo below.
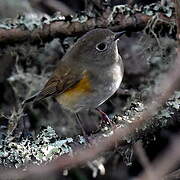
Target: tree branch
{"x": 116, "y": 21}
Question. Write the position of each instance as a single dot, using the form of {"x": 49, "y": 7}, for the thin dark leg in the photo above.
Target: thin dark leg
{"x": 104, "y": 116}
{"x": 80, "y": 125}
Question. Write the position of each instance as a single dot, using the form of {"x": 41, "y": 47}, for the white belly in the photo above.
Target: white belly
{"x": 104, "y": 89}
{"x": 111, "y": 85}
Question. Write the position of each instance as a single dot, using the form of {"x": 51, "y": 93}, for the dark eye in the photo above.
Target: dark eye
{"x": 101, "y": 46}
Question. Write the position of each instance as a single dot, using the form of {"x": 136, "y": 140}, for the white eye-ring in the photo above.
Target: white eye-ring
{"x": 101, "y": 46}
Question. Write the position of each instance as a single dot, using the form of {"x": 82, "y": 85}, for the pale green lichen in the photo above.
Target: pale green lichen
{"x": 80, "y": 19}
{"x": 174, "y": 101}
{"x": 44, "y": 148}
{"x": 81, "y": 139}
{"x": 149, "y": 10}
{"x": 172, "y": 106}
{"x": 22, "y": 21}
{"x": 30, "y": 23}
{"x": 135, "y": 109}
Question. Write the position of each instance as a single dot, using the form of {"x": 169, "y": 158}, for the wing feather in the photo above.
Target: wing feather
{"x": 62, "y": 79}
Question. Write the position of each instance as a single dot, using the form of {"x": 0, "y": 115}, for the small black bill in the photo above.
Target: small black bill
{"x": 119, "y": 34}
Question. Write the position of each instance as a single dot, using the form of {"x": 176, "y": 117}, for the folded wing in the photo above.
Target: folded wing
{"x": 61, "y": 80}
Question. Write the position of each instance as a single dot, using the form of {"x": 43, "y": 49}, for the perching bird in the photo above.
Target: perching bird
{"x": 90, "y": 72}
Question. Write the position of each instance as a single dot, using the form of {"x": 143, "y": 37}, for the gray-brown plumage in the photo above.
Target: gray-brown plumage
{"x": 89, "y": 73}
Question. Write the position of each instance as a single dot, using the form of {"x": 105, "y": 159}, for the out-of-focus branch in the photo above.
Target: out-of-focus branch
{"x": 172, "y": 176}
{"x": 51, "y": 6}
{"x": 72, "y": 27}
{"x": 143, "y": 159}
{"x": 166, "y": 162}
{"x": 177, "y": 7}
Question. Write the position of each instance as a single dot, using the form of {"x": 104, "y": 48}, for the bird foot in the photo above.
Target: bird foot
{"x": 104, "y": 117}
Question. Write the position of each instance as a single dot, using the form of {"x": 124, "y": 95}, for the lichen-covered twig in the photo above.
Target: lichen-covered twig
{"x": 120, "y": 18}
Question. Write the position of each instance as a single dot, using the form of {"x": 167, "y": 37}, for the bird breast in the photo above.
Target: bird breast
{"x": 93, "y": 90}
{"x": 112, "y": 80}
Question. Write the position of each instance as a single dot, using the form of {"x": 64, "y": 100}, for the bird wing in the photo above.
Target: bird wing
{"x": 62, "y": 79}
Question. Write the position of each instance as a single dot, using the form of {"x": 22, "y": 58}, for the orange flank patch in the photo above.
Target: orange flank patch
{"x": 70, "y": 97}
{"x": 83, "y": 86}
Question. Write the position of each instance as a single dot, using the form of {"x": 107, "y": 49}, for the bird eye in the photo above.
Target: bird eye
{"x": 101, "y": 46}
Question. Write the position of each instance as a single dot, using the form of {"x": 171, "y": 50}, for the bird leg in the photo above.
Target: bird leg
{"x": 78, "y": 120}
{"x": 104, "y": 117}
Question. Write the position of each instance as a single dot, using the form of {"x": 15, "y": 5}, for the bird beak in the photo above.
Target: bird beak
{"x": 119, "y": 34}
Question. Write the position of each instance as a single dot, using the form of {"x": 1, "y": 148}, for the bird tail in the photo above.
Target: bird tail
{"x": 30, "y": 99}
